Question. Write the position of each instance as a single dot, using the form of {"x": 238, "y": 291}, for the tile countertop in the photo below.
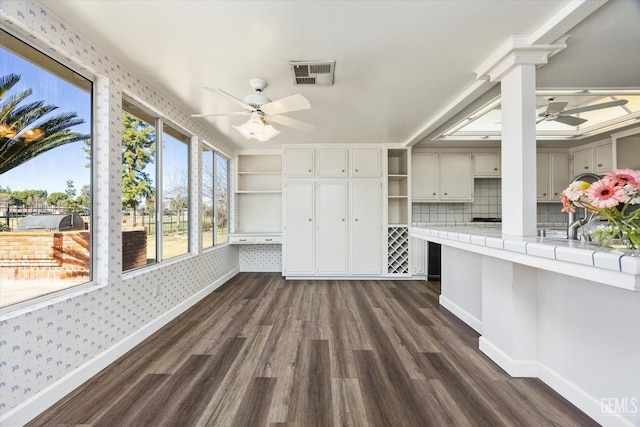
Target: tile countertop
{"x": 489, "y": 237}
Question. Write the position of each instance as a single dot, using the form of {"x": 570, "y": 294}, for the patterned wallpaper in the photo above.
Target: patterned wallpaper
{"x": 42, "y": 343}
{"x": 260, "y": 257}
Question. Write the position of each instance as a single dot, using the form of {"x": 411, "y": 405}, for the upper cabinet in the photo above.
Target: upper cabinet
{"x": 365, "y": 163}
{"x": 299, "y": 163}
{"x": 593, "y": 158}
{"x": 441, "y": 177}
{"x": 627, "y": 148}
{"x": 486, "y": 165}
{"x": 333, "y": 163}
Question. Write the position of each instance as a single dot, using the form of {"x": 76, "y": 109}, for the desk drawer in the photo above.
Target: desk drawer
{"x": 239, "y": 240}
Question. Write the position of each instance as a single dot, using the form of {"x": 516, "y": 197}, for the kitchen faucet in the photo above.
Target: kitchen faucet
{"x": 574, "y": 223}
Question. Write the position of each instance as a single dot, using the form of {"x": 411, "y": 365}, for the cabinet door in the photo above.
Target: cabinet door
{"x": 424, "y": 176}
{"x": 365, "y": 163}
{"x": 299, "y": 230}
{"x": 456, "y": 181}
{"x": 542, "y": 177}
{"x": 486, "y": 164}
{"x": 332, "y": 223}
{"x": 418, "y": 256}
{"x": 604, "y": 158}
{"x": 366, "y": 228}
{"x": 582, "y": 161}
{"x": 558, "y": 177}
{"x": 299, "y": 163}
{"x": 332, "y": 163}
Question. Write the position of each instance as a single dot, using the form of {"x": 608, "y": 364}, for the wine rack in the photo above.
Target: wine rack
{"x": 398, "y": 250}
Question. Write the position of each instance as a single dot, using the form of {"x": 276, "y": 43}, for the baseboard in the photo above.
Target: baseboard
{"x": 515, "y": 368}
{"x": 38, "y": 403}
{"x": 584, "y": 401}
{"x": 461, "y": 314}
{"x": 261, "y": 268}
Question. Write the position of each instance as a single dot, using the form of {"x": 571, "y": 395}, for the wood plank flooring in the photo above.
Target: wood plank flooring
{"x": 263, "y": 351}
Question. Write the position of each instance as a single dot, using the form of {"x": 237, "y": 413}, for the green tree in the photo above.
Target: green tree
{"x": 25, "y": 132}
{"x": 56, "y": 199}
{"x": 23, "y": 197}
{"x": 138, "y": 150}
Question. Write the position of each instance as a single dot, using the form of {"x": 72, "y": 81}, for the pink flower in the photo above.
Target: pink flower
{"x": 605, "y": 194}
{"x": 624, "y": 177}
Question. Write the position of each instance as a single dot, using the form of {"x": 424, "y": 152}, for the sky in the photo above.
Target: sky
{"x": 51, "y": 170}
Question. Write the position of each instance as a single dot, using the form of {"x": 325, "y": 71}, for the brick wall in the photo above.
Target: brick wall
{"x": 44, "y": 255}
{"x": 134, "y": 248}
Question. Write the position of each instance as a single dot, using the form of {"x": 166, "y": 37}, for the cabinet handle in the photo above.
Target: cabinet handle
{"x": 586, "y": 167}
{"x": 599, "y": 165}
{"x": 544, "y": 194}
{"x": 309, "y": 170}
{"x": 243, "y": 240}
{"x": 356, "y": 219}
{"x": 342, "y": 170}
{"x": 446, "y": 194}
{"x": 356, "y": 170}
{"x": 268, "y": 240}
{"x": 309, "y": 219}
{"x": 342, "y": 219}
{"x": 495, "y": 169}
{"x": 555, "y": 194}
{"x": 433, "y": 194}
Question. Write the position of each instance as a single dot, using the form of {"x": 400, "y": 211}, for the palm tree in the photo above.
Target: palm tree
{"x": 24, "y": 131}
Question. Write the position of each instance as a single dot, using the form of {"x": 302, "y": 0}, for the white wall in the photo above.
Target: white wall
{"x": 46, "y": 347}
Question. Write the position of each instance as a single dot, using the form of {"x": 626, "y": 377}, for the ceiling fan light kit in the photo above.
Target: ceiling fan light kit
{"x": 263, "y": 110}
{"x": 257, "y": 128}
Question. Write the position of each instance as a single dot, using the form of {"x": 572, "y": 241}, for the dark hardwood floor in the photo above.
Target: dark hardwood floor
{"x": 262, "y": 351}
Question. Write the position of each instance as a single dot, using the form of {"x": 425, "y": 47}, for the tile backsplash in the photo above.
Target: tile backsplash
{"x": 487, "y": 203}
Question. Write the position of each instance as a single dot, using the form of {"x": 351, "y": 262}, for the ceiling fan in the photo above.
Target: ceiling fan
{"x": 555, "y": 111}
{"x": 263, "y": 111}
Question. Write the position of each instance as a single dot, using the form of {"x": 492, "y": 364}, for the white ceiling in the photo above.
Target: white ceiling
{"x": 399, "y": 64}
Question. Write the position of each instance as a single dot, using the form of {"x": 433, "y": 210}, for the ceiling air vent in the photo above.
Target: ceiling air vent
{"x": 316, "y": 73}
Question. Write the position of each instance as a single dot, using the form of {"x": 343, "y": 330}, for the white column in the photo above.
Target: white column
{"x": 519, "y": 151}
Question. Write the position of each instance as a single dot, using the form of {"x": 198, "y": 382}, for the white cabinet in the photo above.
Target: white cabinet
{"x": 299, "y": 230}
{"x": 365, "y": 163}
{"x": 299, "y": 163}
{"x": 456, "y": 180}
{"x": 417, "y": 249}
{"x": 332, "y": 163}
{"x": 331, "y": 236}
{"x": 486, "y": 165}
{"x": 365, "y": 227}
{"x": 441, "y": 177}
{"x": 604, "y": 158}
{"x": 424, "y": 176}
{"x": 333, "y": 215}
{"x": 551, "y": 175}
{"x": 583, "y": 161}
{"x": 594, "y": 158}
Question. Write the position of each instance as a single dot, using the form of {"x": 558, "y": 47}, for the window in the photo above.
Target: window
{"x": 45, "y": 174}
{"x": 138, "y": 187}
{"x": 175, "y": 193}
{"x": 222, "y": 199}
{"x": 207, "y": 221}
{"x": 155, "y": 189}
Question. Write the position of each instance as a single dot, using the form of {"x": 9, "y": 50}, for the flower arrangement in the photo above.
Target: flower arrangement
{"x": 610, "y": 198}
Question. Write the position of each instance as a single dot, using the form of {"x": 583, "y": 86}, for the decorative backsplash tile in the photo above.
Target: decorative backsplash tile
{"x": 487, "y": 203}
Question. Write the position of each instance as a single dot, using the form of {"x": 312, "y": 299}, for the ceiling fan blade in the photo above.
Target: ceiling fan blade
{"x": 292, "y": 123}
{"x": 554, "y": 107}
{"x": 285, "y": 105}
{"x": 230, "y": 98}
{"x": 236, "y": 113}
{"x": 596, "y": 106}
{"x": 570, "y": 120}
